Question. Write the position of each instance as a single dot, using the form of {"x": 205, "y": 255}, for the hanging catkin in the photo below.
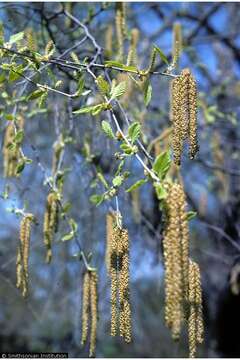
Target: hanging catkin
{"x": 176, "y": 257}
{"x": 50, "y": 223}
{"x": 85, "y": 306}
{"x": 23, "y": 254}
{"x": 90, "y": 309}
{"x": 177, "y": 43}
{"x": 120, "y": 27}
{"x": 195, "y": 320}
{"x": 120, "y": 295}
{"x": 94, "y": 312}
{"x": 109, "y": 232}
{"x": 184, "y": 114}
{"x": 11, "y": 149}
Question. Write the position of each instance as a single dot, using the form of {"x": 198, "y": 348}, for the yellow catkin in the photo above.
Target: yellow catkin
{"x": 19, "y": 274}
{"x": 184, "y": 114}
{"x": 176, "y": 258}
{"x": 23, "y": 253}
{"x": 120, "y": 310}
{"x": 124, "y": 300}
{"x": 109, "y": 234}
{"x": 176, "y": 118}
{"x": 120, "y": 27}
{"x": 132, "y": 53}
{"x": 109, "y": 41}
{"x": 50, "y": 223}
{"x": 177, "y": 42}
{"x": 184, "y": 238}
{"x": 31, "y": 39}
{"x": 195, "y": 320}
{"x": 114, "y": 280}
{"x": 94, "y": 312}
{"x": 85, "y": 306}
{"x": 11, "y": 156}
{"x": 193, "y": 142}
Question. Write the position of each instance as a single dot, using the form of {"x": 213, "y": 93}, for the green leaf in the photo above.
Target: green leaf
{"x": 118, "y": 180}
{"x": 161, "y": 54}
{"x": 20, "y": 167}
{"x": 136, "y": 185}
{"x": 73, "y": 225}
{"x": 36, "y": 94}
{"x": 15, "y": 73}
{"x": 19, "y": 137}
{"x": 113, "y": 63}
{"x": 191, "y": 215}
{"x": 9, "y": 117}
{"x": 102, "y": 179}
{"x": 106, "y": 127}
{"x": 103, "y": 85}
{"x": 127, "y": 148}
{"x": 134, "y": 131}
{"x": 68, "y": 236}
{"x": 162, "y": 164}
{"x": 96, "y": 199}
{"x": 118, "y": 90}
{"x": 16, "y": 37}
{"x": 147, "y": 93}
{"x": 160, "y": 191}
{"x": 94, "y": 110}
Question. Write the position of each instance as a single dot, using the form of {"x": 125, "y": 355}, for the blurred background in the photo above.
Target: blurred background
{"x": 50, "y": 319}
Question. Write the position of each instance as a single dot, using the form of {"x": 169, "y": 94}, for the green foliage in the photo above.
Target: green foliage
{"x": 118, "y": 90}
{"x": 161, "y": 54}
{"x": 136, "y": 185}
{"x": 162, "y": 164}
{"x": 147, "y": 93}
{"x": 134, "y": 131}
{"x": 106, "y": 127}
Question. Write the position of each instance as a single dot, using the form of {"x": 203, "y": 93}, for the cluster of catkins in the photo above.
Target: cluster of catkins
{"x": 184, "y": 114}
{"x": 117, "y": 260}
{"x": 182, "y": 276}
{"x": 11, "y": 150}
{"x": 90, "y": 309}
{"x": 51, "y": 216}
{"x": 23, "y": 254}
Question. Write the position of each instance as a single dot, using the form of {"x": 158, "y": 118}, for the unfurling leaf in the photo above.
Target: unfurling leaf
{"x": 96, "y": 199}
{"x": 134, "y": 131}
{"x": 107, "y": 129}
{"x": 118, "y": 180}
{"x": 160, "y": 191}
{"x": 191, "y": 215}
{"x": 119, "y": 90}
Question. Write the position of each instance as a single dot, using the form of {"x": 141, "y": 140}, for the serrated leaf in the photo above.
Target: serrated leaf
{"x": 134, "y": 131}
{"x": 119, "y": 90}
{"x": 106, "y": 127}
{"x": 118, "y": 180}
{"x": 136, "y": 185}
{"x": 162, "y": 164}
{"x": 191, "y": 215}
{"x": 161, "y": 54}
{"x": 96, "y": 199}
{"x": 16, "y": 37}
{"x": 147, "y": 93}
